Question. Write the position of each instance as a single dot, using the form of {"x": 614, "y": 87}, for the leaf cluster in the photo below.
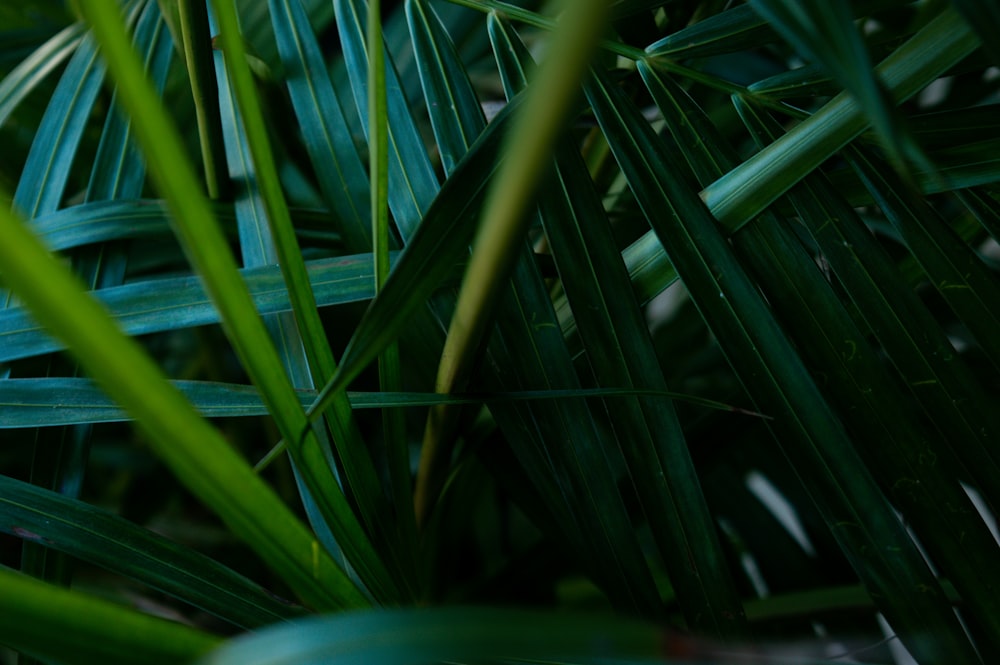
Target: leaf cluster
{"x": 347, "y": 308}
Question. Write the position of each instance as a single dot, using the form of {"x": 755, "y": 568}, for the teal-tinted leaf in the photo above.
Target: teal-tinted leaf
{"x": 811, "y": 436}
{"x": 357, "y": 512}
{"x": 50, "y": 402}
{"x": 257, "y": 250}
{"x": 181, "y": 302}
{"x": 339, "y": 172}
{"x": 455, "y": 112}
{"x": 412, "y": 182}
{"x": 46, "y": 173}
{"x": 462, "y": 634}
{"x": 106, "y": 540}
{"x": 44, "y": 402}
{"x": 733, "y": 30}
{"x": 60, "y": 456}
{"x": 29, "y": 72}
{"x": 101, "y": 221}
{"x": 279, "y": 223}
{"x": 808, "y": 80}
{"x": 118, "y": 171}
{"x": 208, "y": 251}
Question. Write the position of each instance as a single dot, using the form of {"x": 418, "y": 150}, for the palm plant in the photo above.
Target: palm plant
{"x": 695, "y": 340}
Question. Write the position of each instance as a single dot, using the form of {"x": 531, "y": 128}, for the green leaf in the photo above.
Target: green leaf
{"x": 736, "y": 29}
{"x": 339, "y": 172}
{"x": 90, "y": 630}
{"x": 969, "y": 287}
{"x": 811, "y": 436}
{"x": 980, "y": 205}
{"x": 207, "y": 249}
{"x": 360, "y": 480}
{"x": 118, "y": 171}
{"x": 745, "y": 191}
{"x": 31, "y": 71}
{"x": 45, "y": 175}
{"x": 456, "y": 119}
{"x": 984, "y": 17}
{"x": 882, "y": 416}
{"x": 101, "y": 221}
{"x": 461, "y": 634}
{"x": 197, "y": 46}
{"x": 437, "y": 248}
{"x": 195, "y": 451}
{"x": 616, "y": 337}
{"x": 920, "y": 350}
{"x": 455, "y": 113}
{"x": 106, "y": 540}
{"x": 49, "y": 402}
{"x": 258, "y": 250}
{"x": 412, "y": 182}
{"x": 615, "y": 334}
{"x": 825, "y": 34}
{"x": 807, "y": 80}
{"x": 390, "y": 368}
{"x": 499, "y": 241}
{"x": 176, "y": 303}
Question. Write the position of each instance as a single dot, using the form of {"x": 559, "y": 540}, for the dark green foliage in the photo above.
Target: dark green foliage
{"x": 739, "y": 383}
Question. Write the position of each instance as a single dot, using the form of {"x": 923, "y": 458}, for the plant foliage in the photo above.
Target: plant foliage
{"x": 329, "y": 308}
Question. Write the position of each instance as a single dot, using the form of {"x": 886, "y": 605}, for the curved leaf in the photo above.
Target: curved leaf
{"x": 21, "y": 80}
{"x": 90, "y": 630}
{"x": 45, "y": 175}
{"x": 461, "y": 634}
{"x": 96, "y": 536}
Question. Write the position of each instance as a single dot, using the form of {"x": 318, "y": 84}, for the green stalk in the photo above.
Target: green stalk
{"x": 198, "y": 58}
{"x": 390, "y": 373}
